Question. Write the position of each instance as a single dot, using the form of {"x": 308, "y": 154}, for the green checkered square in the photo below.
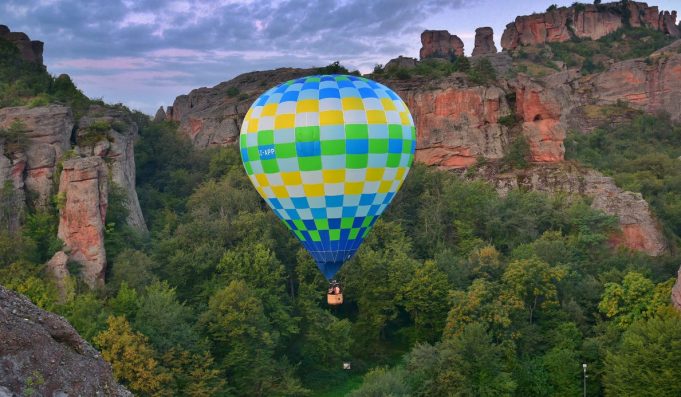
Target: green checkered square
{"x": 394, "y": 160}
{"x": 395, "y": 131}
{"x": 356, "y": 160}
{"x": 312, "y": 163}
{"x": 346, "y": 223}
{"x": 285, "y": 150}
{"x": 357, "y": 131}
{"x": 321, "y": 224}
{"x": 333, "y": 147}
{"x": 314, "y": 235}
{"x": 270, "y": 166}
{"x": 307, "y": 134}
{"x": 378, "y": 146}
{"x": 265, "y": 137}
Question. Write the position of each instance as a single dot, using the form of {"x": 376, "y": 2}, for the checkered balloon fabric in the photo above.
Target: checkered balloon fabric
{"x": 328, "y": 153}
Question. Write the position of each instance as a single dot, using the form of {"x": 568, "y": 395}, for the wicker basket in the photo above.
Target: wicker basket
{"x": 334, "y": 299}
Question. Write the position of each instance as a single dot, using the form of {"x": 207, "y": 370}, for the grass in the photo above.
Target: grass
{"x": 340, "y": 388}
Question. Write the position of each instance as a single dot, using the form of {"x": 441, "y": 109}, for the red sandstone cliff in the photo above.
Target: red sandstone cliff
{"x": 585, "y": 21}
{"x": 83, "y": 197}
{"x": 440, "y": 44}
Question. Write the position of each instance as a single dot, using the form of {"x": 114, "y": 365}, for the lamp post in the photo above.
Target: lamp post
{"x": 584, "y": 367}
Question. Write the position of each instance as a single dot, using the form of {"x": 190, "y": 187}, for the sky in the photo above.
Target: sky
{"x": 145, "y": 53}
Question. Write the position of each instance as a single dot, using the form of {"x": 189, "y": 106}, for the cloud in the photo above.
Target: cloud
{"x": 202, "y": 43}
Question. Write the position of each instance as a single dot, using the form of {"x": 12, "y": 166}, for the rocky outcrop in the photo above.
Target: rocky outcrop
{"x": 213, "y": 116}
{"x": 29, "y": 50}
{"x": 160, "y": 115}
{"x": 46, "y": 133}
{"x": 484, "y": 42}
{"x": 111, "y": 134}
{"x": 540, "y": 109}
{"x": 83, "y": 195}
{"x": 456, "y": 124}
{"x": 440, "y": 44}
{"x": 401, "y": 63}
{"x": 585, "y": 21}
{"x": 42, "y": 355}
{"x": 639, "y": 229}
{"x": 676, "y": 292}
{"x": 652, "y": 84}
{"x": 57, "y": 269}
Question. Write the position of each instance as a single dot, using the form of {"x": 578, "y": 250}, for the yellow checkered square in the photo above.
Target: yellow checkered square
{"x": 269, "y": 110}
{"x": 291, "y": 178}
{"x": 388, "y": 104}
{"x": 252, "y": 125}
{"x": 354, "y": 187}
{"x": 374, "y": 174}
{"x": 333, "y": 176}
{"x": 314, "y": 190}
{"x": 352, "y": 103}
{"x": 385, "y": 186}
{"x": 331, "y": 117}
{"x": 285, "y": 121}
{"x": 404, "y": 118}
{"x": 262, "y": 180}
{"x": 280, "y": 192}
{"x": 376, "y": 117}
{"x": 307, "y": 106}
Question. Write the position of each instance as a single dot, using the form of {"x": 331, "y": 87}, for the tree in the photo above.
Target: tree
{"x": 379, "y": 382}
{"x": 481, "y": 303}
{"x": 630, "y": 301}
{"x": 531, "y": 284}
{"x": 244, "y": 342}
{"x": 134, "y": 268}
{"x": 165, "y": 321}
{"x": 646, "y": 361}
{"x": 474, "y": 365}
{"x": 425, "y": 300}
{"x": 131, "y": 358}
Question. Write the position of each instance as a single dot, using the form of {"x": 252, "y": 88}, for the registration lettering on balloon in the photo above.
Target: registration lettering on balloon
{"x": 328, "y": 153}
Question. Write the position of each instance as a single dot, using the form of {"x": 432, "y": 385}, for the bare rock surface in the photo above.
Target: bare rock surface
{"x": 47, "y": 132}
{"x": 484, "y": 42}
{"x": 112, "y": 135}
{"x": 585, "y": 21}
{"x": 83, "y": 190}
{"x": 42, "y": 355}
{"x": 30, "y": 50}
{"x": 440, "y": 44}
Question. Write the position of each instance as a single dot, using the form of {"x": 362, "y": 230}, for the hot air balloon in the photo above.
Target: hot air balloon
{"x": 328, "y": 153}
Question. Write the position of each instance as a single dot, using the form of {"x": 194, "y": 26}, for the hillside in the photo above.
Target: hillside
{"x": 539, "y": 229}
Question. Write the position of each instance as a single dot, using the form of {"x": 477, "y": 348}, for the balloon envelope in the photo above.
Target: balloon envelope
{"x": 328, "y": 153}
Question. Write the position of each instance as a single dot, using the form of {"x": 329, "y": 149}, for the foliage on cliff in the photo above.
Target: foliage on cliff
{"x": 642, "y": 156}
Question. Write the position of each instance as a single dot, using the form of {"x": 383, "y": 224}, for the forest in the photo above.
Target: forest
{"x": 456, "y": 291}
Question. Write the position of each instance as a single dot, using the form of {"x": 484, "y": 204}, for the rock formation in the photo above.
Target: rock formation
{"x": 456, "y": 124}
{"x": 111, "y": 134}
{"x": 639, "y": 230}
{"x": 29, "y": 50}
{"x": 83, "y": 194}
{"x": 213, "y": 116}
{"x": 160, "y": 115}
{"x": 401, "y": 63}
{"x": 440, "y": 44}
{"x": 585, "y": 21}
{"x": 484, "y": 42}
{"x": 47, "y": 131}
{"x": 42, "y": 355}
{"x": 676, "y": 292}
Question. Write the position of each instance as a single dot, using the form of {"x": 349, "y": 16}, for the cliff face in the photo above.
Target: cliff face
{"x": 585, "y": 21}
{"x": 42, "y": 348}
{"x": 213, "y": 116}
{"x": 83, "y": 193}
{"x": 111, "y": 135}
{"x": 440, "y": 44}
{"x": 639, "y": 229}
{"x": 30, "y": 50}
